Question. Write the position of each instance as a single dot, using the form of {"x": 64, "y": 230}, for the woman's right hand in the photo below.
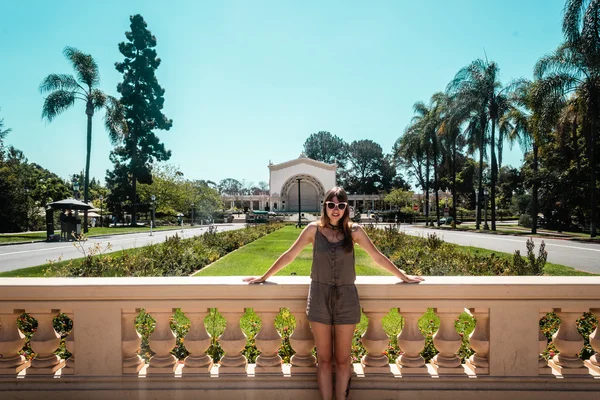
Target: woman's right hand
{"x": 252, "y": 279}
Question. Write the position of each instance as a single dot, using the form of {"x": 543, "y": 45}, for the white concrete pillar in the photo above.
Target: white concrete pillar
{"x": 412, "y": 342}
{"x": 375, "y": 341}
{"x": 162, "y": 341}
{"x": 197, "y": 341}
{"x": 11, "y": 342}
{"x": 233, "y": 342}
{"x": 268, "y": 341}
{"x": 44, "y": 343}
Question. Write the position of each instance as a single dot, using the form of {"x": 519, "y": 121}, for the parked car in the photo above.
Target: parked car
{"x": 448, "y": 221}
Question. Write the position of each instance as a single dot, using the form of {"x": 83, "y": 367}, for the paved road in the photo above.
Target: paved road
{"x": 30, "y": 255}
{"x": 581, "y": 256}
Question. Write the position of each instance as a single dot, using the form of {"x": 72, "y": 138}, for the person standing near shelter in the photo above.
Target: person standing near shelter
{"x": 63, "y": 225}
{"x": 333, "y": 306}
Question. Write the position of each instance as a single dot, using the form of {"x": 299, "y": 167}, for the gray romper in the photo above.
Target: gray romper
{"x": 332, "y": 297}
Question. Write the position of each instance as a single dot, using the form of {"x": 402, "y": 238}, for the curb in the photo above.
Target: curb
{"x": 106, "y": 235}
{"x": 539, "y": 236}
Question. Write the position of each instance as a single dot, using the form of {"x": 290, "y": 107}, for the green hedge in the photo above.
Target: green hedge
{"x": 174, "y": 257}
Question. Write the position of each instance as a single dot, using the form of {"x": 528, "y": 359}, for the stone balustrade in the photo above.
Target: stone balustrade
{"x": 105, "y": 345}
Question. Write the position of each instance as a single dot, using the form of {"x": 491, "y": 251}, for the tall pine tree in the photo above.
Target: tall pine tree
{"x": 140, "y": 105}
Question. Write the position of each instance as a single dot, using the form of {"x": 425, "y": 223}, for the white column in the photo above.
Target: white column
{"x": 447, "y": 341}
{"x": 480, "y": 341}
{"x": 569, "y": 343}
{"x": 131, "y": 340}
{"x": 161, "y": 342}
{"x": 411, "y": 342}
{"x": 11, "y": 342}
{"x": 268, "y": 342}
{"x": 233, "y": 342}
{"x": 302, "y": 341}
{"x": 197, "y": 341}
{"x": 375, "y": 341}
{"x": 44, "y": 343}
{"x": 594, "y": 362}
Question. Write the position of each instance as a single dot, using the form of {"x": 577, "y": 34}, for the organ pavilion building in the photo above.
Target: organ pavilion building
{"x": 315, "y": 179}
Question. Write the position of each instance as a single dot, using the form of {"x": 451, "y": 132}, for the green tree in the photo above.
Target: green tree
{"x": 365, "y": 159}
{"x": 141, "y": 102}
{"x": 575, "y": 67}
{"x": 229, "y": 186}
{"x": 325, "y": 147}
{"x": 400, "y": 198}
{"x": 478, "y": 85}
{"x": 410, "y": 151}
{"x": 3, "y": 132}
{"x": 64, "y": 89}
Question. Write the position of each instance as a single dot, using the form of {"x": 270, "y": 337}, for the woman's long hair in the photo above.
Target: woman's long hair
{"x": 344, "y": 223}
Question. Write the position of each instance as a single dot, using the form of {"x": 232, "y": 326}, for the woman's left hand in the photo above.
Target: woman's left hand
{"x": 412, "y": 279}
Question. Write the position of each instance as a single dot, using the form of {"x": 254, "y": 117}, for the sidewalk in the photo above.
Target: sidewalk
{"x": 522, "y": 231}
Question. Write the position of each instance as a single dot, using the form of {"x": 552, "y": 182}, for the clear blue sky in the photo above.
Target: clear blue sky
{"x": 248, "y": 81}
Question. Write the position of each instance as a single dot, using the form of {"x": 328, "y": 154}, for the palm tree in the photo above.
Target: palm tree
{"x": 3, "y": 132}
{"x": 427, "y": 119}
{"x": 478, "y": 84}
{"x": 453, "y": 115}
{"x": 64, "y": 89}
{"x": 575, "y": 67}
{"x": 410, "y": 151}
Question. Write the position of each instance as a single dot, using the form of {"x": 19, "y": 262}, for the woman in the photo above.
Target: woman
{"x": 333, "y": 298}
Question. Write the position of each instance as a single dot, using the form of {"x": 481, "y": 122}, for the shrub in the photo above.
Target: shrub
{"x": 525, "y": 220}
{"x": 174, "y": 257}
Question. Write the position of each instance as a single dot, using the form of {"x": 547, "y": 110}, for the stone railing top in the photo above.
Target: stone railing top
{"x": 293, "y": 288}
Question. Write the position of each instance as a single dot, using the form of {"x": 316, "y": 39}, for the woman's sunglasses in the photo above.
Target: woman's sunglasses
{"x": 340, "y": 206}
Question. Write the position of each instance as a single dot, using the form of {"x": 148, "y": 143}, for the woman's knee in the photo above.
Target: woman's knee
{"x": 342, "y": 360}
{"x": 325, "y": 361}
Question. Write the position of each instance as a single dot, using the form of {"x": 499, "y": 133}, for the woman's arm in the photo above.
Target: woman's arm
{"x": 363, "y": 240}
{"x": 305, "y": 238}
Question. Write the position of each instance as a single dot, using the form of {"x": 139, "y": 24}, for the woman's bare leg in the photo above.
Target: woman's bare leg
{"x": 343, "y": 362}
{"x": 323, "y": 341}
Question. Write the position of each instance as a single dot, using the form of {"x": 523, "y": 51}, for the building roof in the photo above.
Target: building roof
{"x": 303, "y": 160}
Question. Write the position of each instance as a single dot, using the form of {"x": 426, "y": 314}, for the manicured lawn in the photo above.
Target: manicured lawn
{"x": 255, "y": 258}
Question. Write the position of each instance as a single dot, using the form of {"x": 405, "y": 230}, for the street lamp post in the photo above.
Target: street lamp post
{"x": 299, "y": 207}
{"x": 485, "y": 198}
{"x": 76, "y": 194}
{"x": 477, "y": 205}
{"x": 194, "y": 215}
{"x": 101, "y": 198}
{"x": 153, "y": 198}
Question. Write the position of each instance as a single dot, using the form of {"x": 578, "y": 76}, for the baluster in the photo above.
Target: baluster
{"x": 544, "y": 369}
{"x": 447, "y": 341}
{"x": 268, "y": 341}
{"x": 11, "y": 342}
{"x": 233, "y": 342}
{"x": 44, "y": 343}
{"x": 131, "y": 342}
{"x": 302, "y": 341}
{"x": 197, "y": 341}
{"x": 480, "y": 341}
{"x": 161, "y": 342}
{"x": 569, "y": 343}
{"x": 594, "y": 362}
{"x": 411, "y": 342}
{"x": 69, "y": 368}
{"x": 375, "y": 341}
